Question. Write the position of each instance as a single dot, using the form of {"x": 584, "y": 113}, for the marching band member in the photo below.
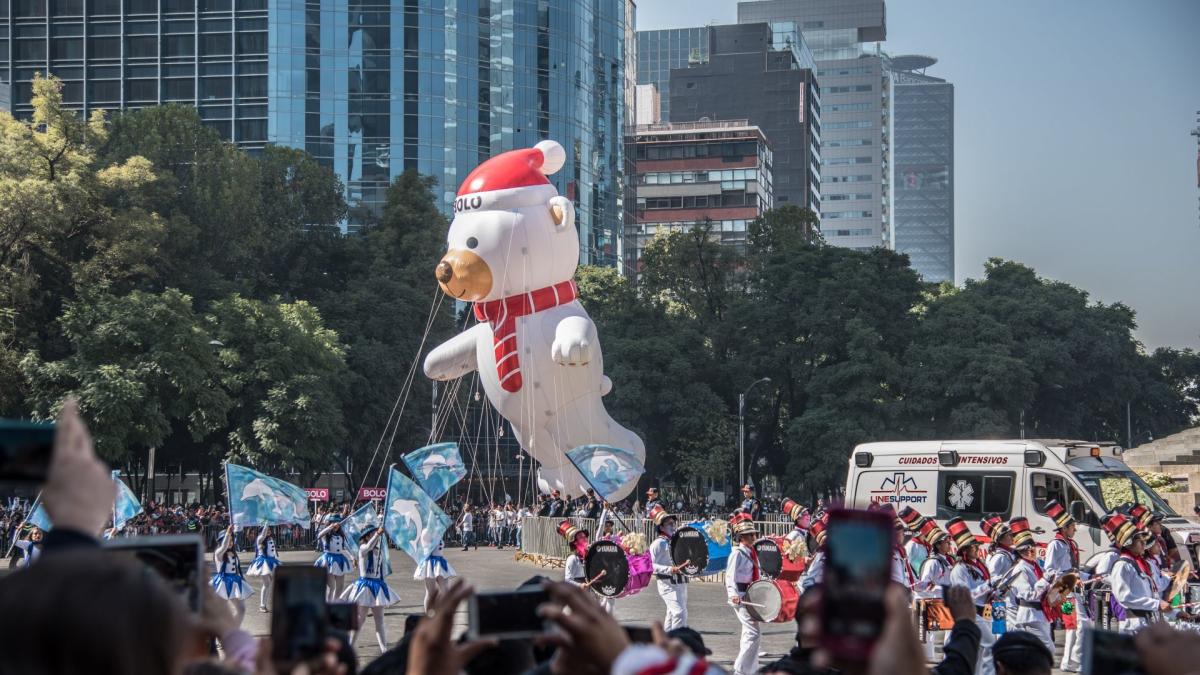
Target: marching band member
{"x": 672, "y": 585}
{"x": 802, "y": 519}
{"x": 228, "y": 581}
{"x": 972, "y": 574}
{"x": 435, "y": 572}
{"x": 901, "y": 571}
{"x": 935, "y": 572}
{"x": 370, "y": 590}
{"x": 577, "y": 542}
{"x": 1002, "y": 557}
{"x": 1062, "y": 556}
{"x": 1148, "y": 519}
{"x": 750, "y": 505}
{"x": 265, "y": 562}
{"x": 1131, "y": 578}
{"x": 741, "y": 571}
{"x": 814, "y": 572}
{"x": 916, "y": 550}
{"x": 333, "y": 557}
{"x": 1029, "y": 586}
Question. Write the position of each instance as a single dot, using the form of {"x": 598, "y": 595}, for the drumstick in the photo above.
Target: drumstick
{"x": 751, "y": 604}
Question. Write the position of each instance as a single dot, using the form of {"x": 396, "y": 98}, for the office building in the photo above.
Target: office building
{"x": 5, "y": 97}
{"x": 691, "y": 172}
{"x": 923, "y": 156}
{"x": 855, "y": 112}
{"x": 661, "y": 51}
{"x": 757, "y": 72}
{"x": 370, "y": 89}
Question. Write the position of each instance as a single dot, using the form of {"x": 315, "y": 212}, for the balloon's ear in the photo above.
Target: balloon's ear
{"x": 562, "y": 211}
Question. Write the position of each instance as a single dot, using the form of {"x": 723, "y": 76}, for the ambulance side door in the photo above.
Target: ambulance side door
{"x": 1045, "y": 485}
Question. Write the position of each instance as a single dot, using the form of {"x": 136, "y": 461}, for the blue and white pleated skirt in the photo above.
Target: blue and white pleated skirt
{"x": 434, "y": 567}
{"x": 262, "y": 566}
{"x": 367, "y": 592}
{"x": 336, "y": 564}
{"x": 231, "y": 586}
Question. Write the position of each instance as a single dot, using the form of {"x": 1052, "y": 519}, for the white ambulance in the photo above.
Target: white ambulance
{"x": 971, "y": 479}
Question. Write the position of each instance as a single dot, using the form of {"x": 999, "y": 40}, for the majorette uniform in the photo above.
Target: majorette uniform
{"x": 973, "y": 575}
{"x": 1062, "y": 556}
{"x": 228, "y": 582}
{"x": 370, "y": 590}
{"x": 741, "y": 571}
{"x": 30, "y": 551}
{"x": 435, "y": 566}
{"x": 672, "y": 587}
{"x": 333, "y": 558}
{"x": 265, "y": 560}
{"x": 1028, "y": 588}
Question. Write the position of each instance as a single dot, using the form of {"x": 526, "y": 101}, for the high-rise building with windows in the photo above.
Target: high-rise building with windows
{"x": 855, "y": 112}
{"x": 370, "y": 88}
{"x": 5, "y": 97}
{"x": 761, "y": 72}
{"x": 923, "y": 155}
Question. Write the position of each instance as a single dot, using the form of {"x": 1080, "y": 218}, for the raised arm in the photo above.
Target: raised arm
{"x": 455, "y": 357}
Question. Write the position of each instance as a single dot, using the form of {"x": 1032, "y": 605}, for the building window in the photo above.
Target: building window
{"x": 179, "y": 90}
{"x": 854, "y": 232}
{"x": 141, "y": 47}
{"x": 216, "y": 45}
{"x": 838, "y": 215}
{"x": 102, "y": 91}
{"x": 216, "y": 87}
{"x": 66, "y": 48}
{"x": 179, "y": 45}
{"x": 66, "y": 8}
{"x": 863, "y": 178}
{"x": 840, "y": 161}
{"x": 845, "y": 196}
{"x": 859, "y": 124}
{"x": 848, "y": 107}
{"x": 141, "y": 90}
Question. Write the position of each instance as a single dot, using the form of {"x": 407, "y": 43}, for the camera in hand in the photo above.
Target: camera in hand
{"x": 178, "y": 558}
{"x": 1109, "y": 653}
{"x": 507, "y": 614}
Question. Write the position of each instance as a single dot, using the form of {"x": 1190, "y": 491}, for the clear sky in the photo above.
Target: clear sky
{"x": 1073, "y": 152}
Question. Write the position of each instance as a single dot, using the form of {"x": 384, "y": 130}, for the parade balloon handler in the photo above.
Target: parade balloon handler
{"x": 672, "y": 584}
{"x": 436, "y": 572}
{"x": 743, "y": 570}
{"x": 265, "y": 562}
{"x": 1029, "y": 586}
{"x": 370, "y": 591}
{"x": 970, "y": 573}
{"x": 228, "y": 582}
{"x": 1062, "y": 557}
{"x": 334, "y": 559}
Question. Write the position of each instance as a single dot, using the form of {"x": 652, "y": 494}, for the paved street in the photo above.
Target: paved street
{"x": 489, "y": 569}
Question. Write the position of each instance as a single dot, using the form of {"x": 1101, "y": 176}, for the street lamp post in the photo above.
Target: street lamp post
{"x": 742, "y": 429}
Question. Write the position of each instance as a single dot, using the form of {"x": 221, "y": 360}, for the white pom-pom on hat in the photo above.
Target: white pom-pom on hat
{"x": 553, "y": 156}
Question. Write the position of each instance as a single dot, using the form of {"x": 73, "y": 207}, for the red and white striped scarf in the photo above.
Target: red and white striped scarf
{"x": 502, "y": 314}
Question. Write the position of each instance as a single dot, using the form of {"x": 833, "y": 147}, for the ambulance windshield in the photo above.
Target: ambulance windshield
{"x": 1116, "y": 488}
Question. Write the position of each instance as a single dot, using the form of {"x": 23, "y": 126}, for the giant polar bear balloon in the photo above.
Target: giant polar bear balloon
{"x": 513, "y": 251}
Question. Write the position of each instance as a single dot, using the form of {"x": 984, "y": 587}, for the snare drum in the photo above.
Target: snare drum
{"x": 703, "y": 556}
{"x": 641, "y": 571}
{"x": 772, "y": 601}
{"x": 608, "y": 557}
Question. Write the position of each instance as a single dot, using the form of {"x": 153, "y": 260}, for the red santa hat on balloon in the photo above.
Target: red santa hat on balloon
{"x": 512, "y": 179}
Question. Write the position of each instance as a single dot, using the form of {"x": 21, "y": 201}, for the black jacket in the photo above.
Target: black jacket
{"x": 961, "y": 650}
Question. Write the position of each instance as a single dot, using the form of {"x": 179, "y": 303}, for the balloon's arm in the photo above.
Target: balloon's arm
{"x": 455, "y": 357}
{"x": 574, "y": 341}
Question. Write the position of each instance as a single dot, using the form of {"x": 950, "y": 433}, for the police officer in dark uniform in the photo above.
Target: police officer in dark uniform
{"x": 750, "y": 504}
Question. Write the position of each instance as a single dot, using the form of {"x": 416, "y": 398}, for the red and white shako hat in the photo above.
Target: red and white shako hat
{"x": 512, "y": 179}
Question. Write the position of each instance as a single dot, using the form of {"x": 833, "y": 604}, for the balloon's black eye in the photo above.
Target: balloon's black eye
{"x": 472, "y": 242}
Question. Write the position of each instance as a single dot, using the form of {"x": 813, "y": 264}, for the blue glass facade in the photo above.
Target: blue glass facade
{"x": 370, "y": 88}
{"x": 375, "y": 88}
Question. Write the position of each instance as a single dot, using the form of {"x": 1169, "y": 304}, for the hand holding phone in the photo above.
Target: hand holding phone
{"x": 857, "y": 575}
{"x": 507, "y": 615}
{"x": 1110, "y": 653}
{"x": 178, "y": 558}
{"x": 299, "y": 615}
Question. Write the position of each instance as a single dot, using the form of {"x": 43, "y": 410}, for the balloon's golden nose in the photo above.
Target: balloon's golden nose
{"x": 463, "y": 275}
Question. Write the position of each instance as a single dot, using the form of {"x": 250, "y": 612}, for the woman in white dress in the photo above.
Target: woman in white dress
{"x": 436, "y": 571}
{"x": 370, "y": 590}
{"x": 228, "y": 582}
{"x": 265, "y": 562}
{"x": 333, "y": 558}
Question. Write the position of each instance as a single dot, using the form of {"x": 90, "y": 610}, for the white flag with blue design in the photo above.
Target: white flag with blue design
{"x": 436, "y": 467}
{"x": 606, "y": 468}
{"x": 39, "y": 517}
{"x": 126, "y": 505}
{"x": 411, "y": 518}
{"x": 258, "y": 499}
{"x": 353, "y": 526}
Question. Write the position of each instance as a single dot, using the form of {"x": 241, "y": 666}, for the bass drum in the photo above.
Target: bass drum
{"x": 699, "y": 554}
{"x": 607, "y": 557}
{"x": 770, "y": 556}
{"x": 773, "y": 601}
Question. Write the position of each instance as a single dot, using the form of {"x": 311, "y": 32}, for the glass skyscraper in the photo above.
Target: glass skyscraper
{"x": 923, "y": 213}
{"x": 856, "y": 103}
{"x": 370, "y": 88}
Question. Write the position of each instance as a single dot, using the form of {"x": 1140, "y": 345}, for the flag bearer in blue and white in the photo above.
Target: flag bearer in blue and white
{"x": 228, "y": 581}
{"x": 436, "y": 572}
{"x": 370, "y": 591}
{"x": 265, "y": 562}
{"x": 333, "y": 558}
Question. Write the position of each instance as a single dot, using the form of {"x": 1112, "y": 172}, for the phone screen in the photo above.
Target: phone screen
{"x": 25, "y": 450}
{"x": 299, "y": 616}
{"x": 343, "y": 616}
{"x": 639, "y": 634}
{"x": 1109, "y": 653}
{"x": 178, "y": 558}
{"x": 857, "y": 572}
{"x": 508, "y": 614}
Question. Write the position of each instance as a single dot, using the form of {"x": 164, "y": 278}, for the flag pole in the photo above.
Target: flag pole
{"x": 228, "y": 492}
{"x": 11, "y": 545}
